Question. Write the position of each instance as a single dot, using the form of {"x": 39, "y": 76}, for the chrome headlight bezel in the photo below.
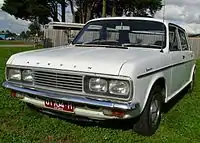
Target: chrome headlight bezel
{"x": 13, "y": 74}
{"x": 21, "y": 72}
{"x": 27, "y": 76}
{"x": 100, "y": 84}
{"x": 108, "y": 93}
{"x": 119, "y": 85}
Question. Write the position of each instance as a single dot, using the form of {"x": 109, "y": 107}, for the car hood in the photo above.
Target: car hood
{"x": 85, "y": 59}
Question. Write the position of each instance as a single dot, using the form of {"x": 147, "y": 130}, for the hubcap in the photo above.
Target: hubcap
{"x": 154, "y": 111}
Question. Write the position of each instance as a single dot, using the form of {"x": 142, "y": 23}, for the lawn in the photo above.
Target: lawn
{"x": 13, "y": 42}
{"x": 180, "y": 124}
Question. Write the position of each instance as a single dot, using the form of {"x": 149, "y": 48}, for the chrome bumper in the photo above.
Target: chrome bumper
{"x": 131, "y": 109}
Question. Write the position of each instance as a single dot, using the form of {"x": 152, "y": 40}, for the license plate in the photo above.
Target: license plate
{"x": 59, "y": 106}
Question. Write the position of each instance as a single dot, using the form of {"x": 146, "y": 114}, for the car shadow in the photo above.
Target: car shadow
{"x": 85, "y": 122}
{"x": 170, "y": 105}
{"x": 112, "y": 124}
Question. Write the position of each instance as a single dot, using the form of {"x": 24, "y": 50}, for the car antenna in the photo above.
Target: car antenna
{"x": 163, "y": 22}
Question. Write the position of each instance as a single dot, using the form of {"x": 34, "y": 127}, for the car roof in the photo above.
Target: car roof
{"x": 166, "y": 22}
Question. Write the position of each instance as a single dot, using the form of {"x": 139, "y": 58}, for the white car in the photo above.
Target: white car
{"x": 116, "y": 68}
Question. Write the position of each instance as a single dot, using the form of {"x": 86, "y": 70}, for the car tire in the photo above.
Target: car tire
{"x": 149, "y": 120}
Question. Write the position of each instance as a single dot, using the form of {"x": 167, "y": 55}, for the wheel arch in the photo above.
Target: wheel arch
{"x": 193, "y": 71}
{"x": 157, "y": 80}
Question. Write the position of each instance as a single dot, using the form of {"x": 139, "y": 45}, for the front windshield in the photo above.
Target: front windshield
{"x": 133, "y": 33}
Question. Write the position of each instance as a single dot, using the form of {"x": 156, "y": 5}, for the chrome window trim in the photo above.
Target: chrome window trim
{"x": 89, "y": 95}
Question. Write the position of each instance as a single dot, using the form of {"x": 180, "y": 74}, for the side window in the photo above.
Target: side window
{"x": 183, "y": 40}
{"x": 173, "y": 39}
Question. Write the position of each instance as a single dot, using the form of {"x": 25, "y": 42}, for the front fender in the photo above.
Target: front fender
{"x": 152, "y": 81}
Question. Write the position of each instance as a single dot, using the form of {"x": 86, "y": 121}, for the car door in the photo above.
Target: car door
{"x": 188, "y": 55}
{"x": 177, "y": 60}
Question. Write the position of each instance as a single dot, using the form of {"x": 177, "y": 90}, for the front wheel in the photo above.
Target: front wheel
{"x": 150, "y": 118}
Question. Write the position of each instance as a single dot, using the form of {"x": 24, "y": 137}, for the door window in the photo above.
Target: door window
{"x": 183, "y": 40}
{"x": 173, "y": 39}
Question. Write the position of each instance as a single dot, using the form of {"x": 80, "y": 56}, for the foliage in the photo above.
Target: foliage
{"x": 28, "y": 9}
{"x": 86, "y": 9}
{"x": 35, "y": 28}
{"x": 25, "y": 34}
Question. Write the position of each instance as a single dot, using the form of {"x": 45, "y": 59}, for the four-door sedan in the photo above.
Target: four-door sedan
{"x": 116, "y": 68}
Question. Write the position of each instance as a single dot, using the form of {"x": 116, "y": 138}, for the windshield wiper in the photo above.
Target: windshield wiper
{"x": 143, "y": 45}
{"x": 103, "y": 42}
{"x": 98, "y": 45}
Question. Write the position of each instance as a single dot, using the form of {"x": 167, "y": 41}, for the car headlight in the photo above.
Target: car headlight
{"x": 98, "y": 85}
{"x": 27, "y": 75}
{"x": 118, "y": 87}
{"x": 14, "y": 74}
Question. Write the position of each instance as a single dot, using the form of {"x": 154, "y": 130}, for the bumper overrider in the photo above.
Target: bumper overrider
{"x": 83, "y": 106}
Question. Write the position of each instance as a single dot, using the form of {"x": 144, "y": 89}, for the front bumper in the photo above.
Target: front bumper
{"x": 130, "y": 110}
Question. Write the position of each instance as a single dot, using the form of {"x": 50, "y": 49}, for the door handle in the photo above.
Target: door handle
{"x": 183, "y": 57}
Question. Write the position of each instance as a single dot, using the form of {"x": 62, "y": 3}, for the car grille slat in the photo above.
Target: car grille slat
{"x": 59, "y": 76}
{"x": 75, "y": 81}
{"x": 58, "y": 84}
{"x": 58, "y": 81}
{"x": 59, "y": 87}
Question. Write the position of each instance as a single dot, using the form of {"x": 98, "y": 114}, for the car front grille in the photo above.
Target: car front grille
{"x": 58, "y": 81}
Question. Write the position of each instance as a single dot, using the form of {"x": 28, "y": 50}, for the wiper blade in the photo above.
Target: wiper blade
{"x": 142, "y": 45}
{"x": 100, "y": 41}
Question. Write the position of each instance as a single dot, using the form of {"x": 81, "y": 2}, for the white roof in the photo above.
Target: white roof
{"x": 136, "y": 18}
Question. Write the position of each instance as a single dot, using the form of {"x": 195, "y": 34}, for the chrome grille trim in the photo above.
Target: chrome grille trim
{"x": 59, "y": 75}
{"x": 59, "y": 81}
{"x": 57, "y": 84}
{"x": 63, "y": 81}
{"x": 57, "y": 78}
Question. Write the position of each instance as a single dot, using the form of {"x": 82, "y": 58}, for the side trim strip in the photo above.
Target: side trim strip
{"x": 161, "y": 69}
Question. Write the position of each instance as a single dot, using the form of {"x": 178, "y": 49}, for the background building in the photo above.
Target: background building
{"x": 3, "y": 35}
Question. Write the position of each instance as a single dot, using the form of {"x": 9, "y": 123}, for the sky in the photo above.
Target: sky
{"x": 184, "y": 12}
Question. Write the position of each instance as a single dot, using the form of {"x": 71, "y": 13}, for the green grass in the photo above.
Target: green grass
{"x": 19, "y": 124}
{"x": 13, "y": 42}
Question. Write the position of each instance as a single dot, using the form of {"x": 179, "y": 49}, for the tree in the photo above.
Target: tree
{"x": 140, "y": 7}
{"x": 35, "y": 28}
{"x": 28, "y": 9}
{"x": 10, "y": 34}
{"x": 104, "y": 8}
{"x": 63, "y": 9}
{"x": 72, "y": 9}
{"x": 31, "y": 9}
{"x": 25, "y": 34}
{"x": 88, "y": 9}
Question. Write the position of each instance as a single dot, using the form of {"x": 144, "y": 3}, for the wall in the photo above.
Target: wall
{"x": 60, "y": 37}
{"x": 195, "y": 46}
